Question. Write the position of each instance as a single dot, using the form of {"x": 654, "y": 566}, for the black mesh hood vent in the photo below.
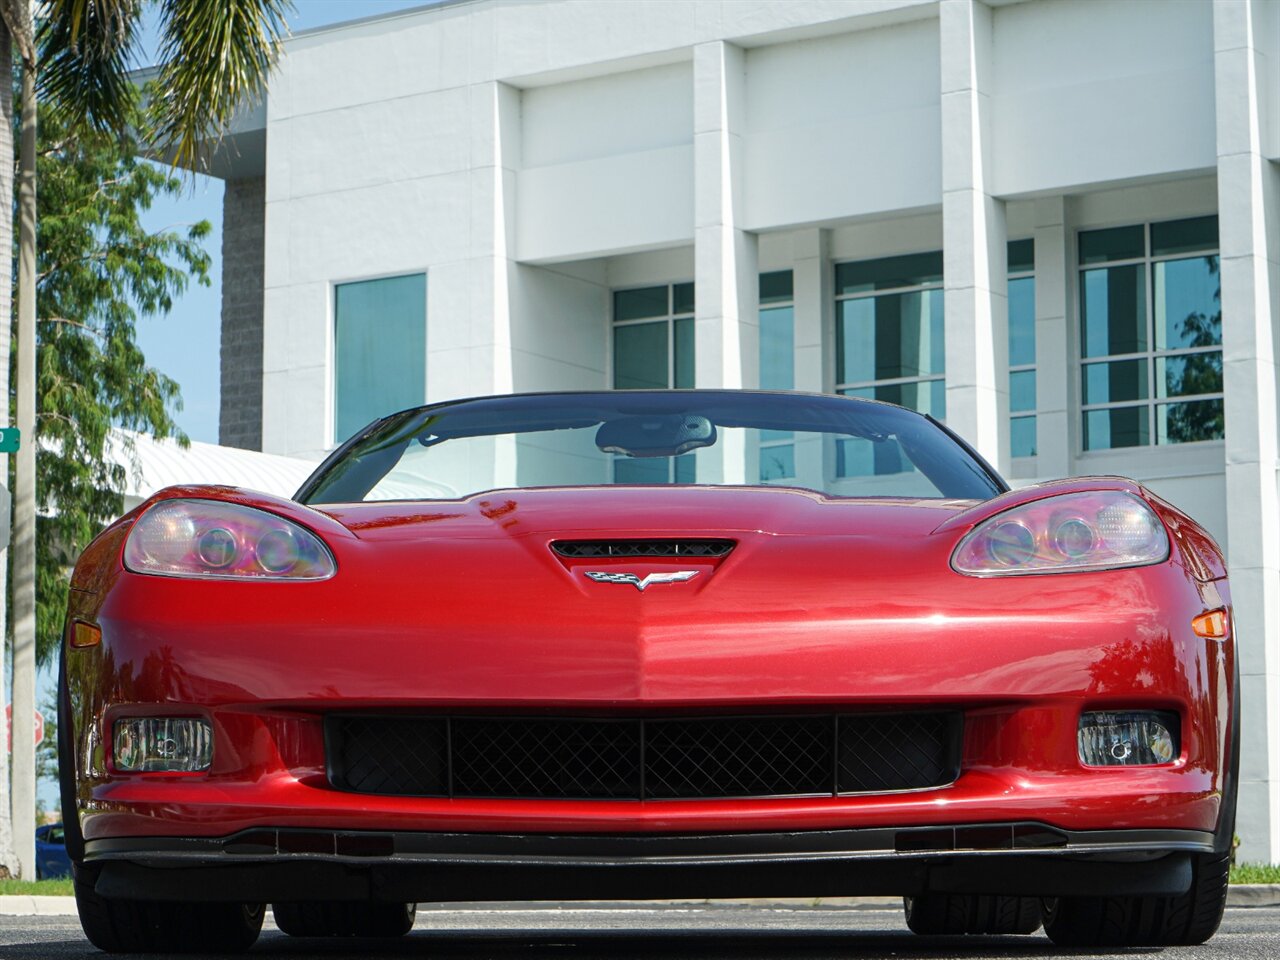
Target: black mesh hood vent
{"x": 594, "y": 549}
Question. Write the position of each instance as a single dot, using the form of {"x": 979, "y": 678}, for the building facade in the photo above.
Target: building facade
{"x": 1054, "y": 224}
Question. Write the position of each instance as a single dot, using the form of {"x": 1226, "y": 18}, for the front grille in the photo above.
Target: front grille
{"x": 593, "y": 549}
{"x": 650, "y": 758}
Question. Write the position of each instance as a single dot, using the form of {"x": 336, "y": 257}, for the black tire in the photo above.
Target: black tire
{"x": 344, "y": 918}
{"x": 153, "y": 926}
{"x": 1185, "y": 920}
{"x": 935, "y": 914}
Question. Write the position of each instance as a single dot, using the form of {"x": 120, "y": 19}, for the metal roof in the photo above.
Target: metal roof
{"x": 155, "y": 464}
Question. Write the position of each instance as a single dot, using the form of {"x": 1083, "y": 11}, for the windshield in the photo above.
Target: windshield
{"x": 832, "y": 445}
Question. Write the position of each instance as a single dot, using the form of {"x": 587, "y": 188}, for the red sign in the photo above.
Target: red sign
{"x": 8, "y": 728}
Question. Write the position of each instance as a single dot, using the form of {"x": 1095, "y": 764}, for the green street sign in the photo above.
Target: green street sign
{"x": 10, "y": 439}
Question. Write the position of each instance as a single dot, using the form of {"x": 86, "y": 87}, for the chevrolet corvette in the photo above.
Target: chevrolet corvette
{"x": 650, "y": 644}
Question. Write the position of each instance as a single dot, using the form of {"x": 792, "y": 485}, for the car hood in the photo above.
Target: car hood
{"x": 629, "y": 512}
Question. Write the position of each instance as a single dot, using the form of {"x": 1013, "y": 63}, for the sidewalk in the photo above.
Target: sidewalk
{"x": 1239, "y": 895}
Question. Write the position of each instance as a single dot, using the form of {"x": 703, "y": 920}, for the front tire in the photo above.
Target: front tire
{"x": 1184, "y": 920}
{"x": 954, "y": 914}
{"x": 154, "y": 926}
{"x": 344, "y": 918}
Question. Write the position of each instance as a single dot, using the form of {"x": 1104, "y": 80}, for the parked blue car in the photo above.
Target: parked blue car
{"x": 51, "y": 853}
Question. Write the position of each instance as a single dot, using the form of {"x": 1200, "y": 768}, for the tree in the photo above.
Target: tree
{"x": 98, "y": 270}
{"x": 215, "y": 57}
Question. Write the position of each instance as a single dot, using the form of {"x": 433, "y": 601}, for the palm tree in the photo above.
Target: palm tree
{"x": 214, "y": 57}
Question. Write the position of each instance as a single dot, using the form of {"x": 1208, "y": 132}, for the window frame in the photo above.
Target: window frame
{"x": 331, "y": 341}
{"x": 1151, "y": 356}
{"x": 1032, "y": 414}
{"x": 761, "y": 308}
{"x": 840, "y": 387}
{"x": 669, "y": 318}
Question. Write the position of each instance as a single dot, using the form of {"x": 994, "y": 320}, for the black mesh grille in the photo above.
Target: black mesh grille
{"x": 644, "y": 758}
{"x": 590, "y": 549}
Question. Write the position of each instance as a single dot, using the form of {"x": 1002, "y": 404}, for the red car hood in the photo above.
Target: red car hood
{"x": 467, "y": 603}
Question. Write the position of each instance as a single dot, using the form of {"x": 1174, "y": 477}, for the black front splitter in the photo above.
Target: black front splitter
{"x": 271, "y": 865}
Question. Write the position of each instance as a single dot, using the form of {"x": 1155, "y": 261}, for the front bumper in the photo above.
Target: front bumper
{"x": 270, "y": 865}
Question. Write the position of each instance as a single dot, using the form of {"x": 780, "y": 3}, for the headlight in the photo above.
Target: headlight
{"x": 1062, "y": 534}
{"x": 209, "y": 538}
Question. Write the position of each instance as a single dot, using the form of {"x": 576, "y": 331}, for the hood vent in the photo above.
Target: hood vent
{"x": 595, "y": 549}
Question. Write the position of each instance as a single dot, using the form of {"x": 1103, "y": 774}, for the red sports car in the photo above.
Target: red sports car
{"x": 650, "y": 644}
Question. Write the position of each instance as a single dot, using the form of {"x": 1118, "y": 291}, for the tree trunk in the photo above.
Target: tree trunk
{"x": 8, "y": 861}
{"x": 24, "y": 500}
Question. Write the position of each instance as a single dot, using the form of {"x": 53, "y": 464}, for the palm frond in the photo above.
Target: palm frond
{"x": 215, "y": 57}
{"x": 86, "y": 49}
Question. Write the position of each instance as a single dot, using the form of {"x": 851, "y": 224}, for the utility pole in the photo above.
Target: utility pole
{"x": 24, "y": 506}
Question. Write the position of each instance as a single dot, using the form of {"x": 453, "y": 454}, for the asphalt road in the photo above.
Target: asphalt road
{"x": 573, "y": 931}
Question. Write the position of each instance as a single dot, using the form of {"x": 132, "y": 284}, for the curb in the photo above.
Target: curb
{"x": 1238, "y": 895}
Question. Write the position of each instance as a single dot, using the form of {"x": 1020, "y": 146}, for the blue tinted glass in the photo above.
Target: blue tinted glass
{"x": 891, "y": 336}
{"x": 1188, "y": 304}
{"x": 1022, "y": 391}
{"x": 686, "y": 468}
{"x": 1022, "y": 436}
{"x": 1189, "y": 374}
{"x": 640, "y": 356}
{"x": 1117, "y": 243}
{"x": 639, "y": 304}
{"x": 685, "y": 361}
{"x": 1189, "y": 422}
{"x": 928, "y": 397}
{"x": 1113, "y": 311}
{"x": 380, "y": 349}
{"x": 1115, "y": 382}
{"x": 777, "y": 349}
{"x": 1117, "y": 427}
{"x": 644, "y": 470}
{"x": 777, "y": 462}
{"x": 682, "y": 298}
{"x": 1184, "y": 236}
{"x": 776, "y": 287}
{"x": 1022, "y": 256}
{"x": 1022, "y": 321}
{"x": 887, "y": 273}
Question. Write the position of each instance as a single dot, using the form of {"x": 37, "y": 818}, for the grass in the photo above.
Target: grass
{"x": 1255, "y": 873}
{"x": 39, "y": 888}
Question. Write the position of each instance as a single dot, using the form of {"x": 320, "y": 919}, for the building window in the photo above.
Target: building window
{"x": 1151, "y": 334}
{"x": 777, "y": 369}
{"x": 380, "y": 349}
{"x": 653, "y": 350}
{"x": 1022, "y": 348}
{"x": 653, "y": 337}
{"x": 889, "y": 346}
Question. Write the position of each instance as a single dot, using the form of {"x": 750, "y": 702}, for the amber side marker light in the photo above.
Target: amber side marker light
{"x": 85, "y": 634}
{"x": 1211, "y": 625}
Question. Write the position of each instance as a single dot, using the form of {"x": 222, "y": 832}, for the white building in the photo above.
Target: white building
{"x": 1057, "y": 223}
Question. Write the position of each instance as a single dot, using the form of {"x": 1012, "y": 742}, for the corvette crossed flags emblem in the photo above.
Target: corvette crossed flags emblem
{"x": 638, "y": 582}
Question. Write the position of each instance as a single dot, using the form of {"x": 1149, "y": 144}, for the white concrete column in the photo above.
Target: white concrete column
{"x": 725, "y": 270}
{"x": 1057, "y": 424}
{"x": 1247, "y": 198}
{"x": 814, "y": 292}
{"x": 974, "y": 244}
{"x": 726, "y": 274}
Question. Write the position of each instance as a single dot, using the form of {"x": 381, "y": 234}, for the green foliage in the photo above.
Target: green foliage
{"x": 214, "y": 58}
{"x": 1255, "y": 873}
{"x": 99, "y": 270}
{"x": 36, "y": 888}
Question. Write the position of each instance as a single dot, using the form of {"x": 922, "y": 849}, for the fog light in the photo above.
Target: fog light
{"x": 1129, "y": 739}
{"x": 163, "y": 744}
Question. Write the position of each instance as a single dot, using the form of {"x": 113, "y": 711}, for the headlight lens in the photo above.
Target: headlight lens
{"x": 1070, "y": 532}
{"x": 209, "y": 538}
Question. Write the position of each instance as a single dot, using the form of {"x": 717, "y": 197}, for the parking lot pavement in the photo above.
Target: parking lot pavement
{"x": 651, "y": 932}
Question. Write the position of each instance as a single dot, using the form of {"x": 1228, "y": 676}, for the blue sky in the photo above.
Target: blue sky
{"x": 184, "y": 344}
